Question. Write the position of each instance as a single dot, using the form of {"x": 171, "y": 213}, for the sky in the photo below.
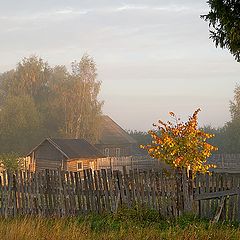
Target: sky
{"x": 152, "y": 56}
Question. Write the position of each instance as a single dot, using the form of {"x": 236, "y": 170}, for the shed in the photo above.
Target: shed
{"x": 64, "y": 154}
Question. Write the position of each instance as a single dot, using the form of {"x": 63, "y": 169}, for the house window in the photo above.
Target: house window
{"x": 118, "y": 152}
{"x": 79, "y": 166}
{"x": 106, "y": 152}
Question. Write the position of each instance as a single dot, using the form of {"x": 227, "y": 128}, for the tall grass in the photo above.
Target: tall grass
{"x": 126, "y": 224}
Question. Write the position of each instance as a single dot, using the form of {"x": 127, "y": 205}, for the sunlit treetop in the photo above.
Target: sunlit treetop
{"x": 181, "y": 145}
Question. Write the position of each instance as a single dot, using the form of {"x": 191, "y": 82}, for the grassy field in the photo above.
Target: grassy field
{"x": 126, "y": 224}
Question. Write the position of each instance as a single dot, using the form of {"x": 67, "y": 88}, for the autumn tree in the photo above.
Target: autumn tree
{"x": 181, "y": 145}
{"x": 224, "y": 23}
{"x": 82, "y": 109}
{"x": 30, "y": 77}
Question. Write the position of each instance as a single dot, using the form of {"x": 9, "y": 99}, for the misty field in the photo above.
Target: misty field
{"x": 126, "y": 224}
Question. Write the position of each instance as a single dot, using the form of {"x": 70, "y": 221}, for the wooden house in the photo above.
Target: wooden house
{"x": 114, "y": 141}
{"x": 64, "y": 154}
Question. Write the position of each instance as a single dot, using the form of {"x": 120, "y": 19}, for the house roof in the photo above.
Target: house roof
{"x": 112, "y": 133}
{"x": 74, "y": 148}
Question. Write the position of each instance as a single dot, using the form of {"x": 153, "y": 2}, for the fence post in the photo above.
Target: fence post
{"x": 187, "y": 191}
{"x": 179, "y": 192}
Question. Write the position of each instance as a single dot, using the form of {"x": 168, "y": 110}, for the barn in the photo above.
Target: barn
{"x": 64, "y": 154}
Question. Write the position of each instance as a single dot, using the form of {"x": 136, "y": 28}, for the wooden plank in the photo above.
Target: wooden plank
{"x": 161, "y": 195}
{"x": 97, "y": 192}
{"x": 211, "y": 201}
{"x": 10, "y": 197}
{"x": 73, "y": 194}
{"x": 224, "y": 186}
{"x": 205, "y": 196}
{"x": 158, "y": 192}
{"x": 106, "y": 190}
{"x": 132, "y": 188}
{"x": 142, "y": 189}
{"x": 28, "y": 180}
{"x": 101, "y": 187}
{"x": 1, "y": 197}
{"x": 55, "y": 193}
{"x": 86, "y": 190}
{"x": 139, "y": 190}
{"x": 238, "y": 203}
{"x": 33, "y": 192}
{"x": 117, "y": 191}
{"x": 25, "y": 193}
{"x": 67, "y": 195}
{"x": 42, "y": 204}
{"x": 153, "y": 190}
{"x": 146, "y": 177}
{"x": 126, "y": 187}
{"x": 207, "y": 179}
{"x": 230, "y": 208}
{"x": 38, "y": 198}
{"x": 121, "y": 188}
{"x": 79, "y": 192}
{"x": 186, "y": 197}
{"x": 178, "y": 193}
{"x": 48, "y": 194}
{"x": 219, "y": 210}
{"x": 92, "y": 187}
{"x": 198, "y": 191}
{"x": 235, "y": 199}
{"x": 111, "y": 190}
{"x": 64, "y": 199}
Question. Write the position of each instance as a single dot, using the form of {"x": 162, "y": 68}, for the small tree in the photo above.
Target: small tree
{"x": 181, "y": 145}
{"x": 10, "y": 161}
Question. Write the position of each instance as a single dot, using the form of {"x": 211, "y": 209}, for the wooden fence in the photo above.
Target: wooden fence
{"x": 143, "y": 162}
{"x": 54, "y": 193}
{"x": 71, "y": 193}
{"x": 218, "y": 195}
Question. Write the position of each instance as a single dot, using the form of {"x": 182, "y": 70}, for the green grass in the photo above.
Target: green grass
{"x": 125, "y": 224}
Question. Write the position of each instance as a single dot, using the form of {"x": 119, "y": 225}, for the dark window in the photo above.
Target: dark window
{"x": 106, "y": 152}
{"x": 118, "y": 152}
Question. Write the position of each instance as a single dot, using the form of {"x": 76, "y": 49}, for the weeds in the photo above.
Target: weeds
{"x": 136, "y": 223}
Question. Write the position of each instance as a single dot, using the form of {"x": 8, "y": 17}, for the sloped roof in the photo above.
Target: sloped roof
{"x": 74, "y": 148}
{"x": 112, "y": 133}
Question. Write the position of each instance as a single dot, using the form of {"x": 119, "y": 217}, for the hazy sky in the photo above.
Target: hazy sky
{"x": 153, "y": 56}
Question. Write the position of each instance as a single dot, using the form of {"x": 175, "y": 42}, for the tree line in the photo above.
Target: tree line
{"x": 227, "y": 138}
{"x": 39, "y": 101}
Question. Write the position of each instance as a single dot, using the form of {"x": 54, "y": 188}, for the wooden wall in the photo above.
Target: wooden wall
{"x": 87, "y": 163}
{"x": 47, "y": 157}
{"x": 125, "y": 150}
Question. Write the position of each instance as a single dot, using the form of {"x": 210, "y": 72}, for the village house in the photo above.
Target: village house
{"x": 114, "y": 141}
{"x": 63, "y": 154}
{"x": 114, "y": 149}
{"x": 116, "y": 144}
